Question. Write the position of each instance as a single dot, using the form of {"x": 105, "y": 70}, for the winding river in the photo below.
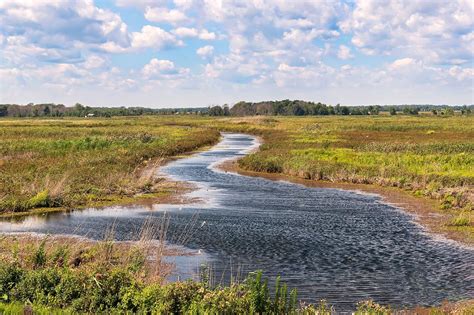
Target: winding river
{"x": 342, "y": 246}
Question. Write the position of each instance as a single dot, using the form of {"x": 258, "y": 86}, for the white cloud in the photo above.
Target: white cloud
{"x": 57, "y": 31}
{"x": 94, "y": 62}
{"x": 186, "y": 32}
{"x": 139, "y": 3}
{"x": 436, "y": 31}
{"x": 402, "y": 63}
{"x": 152, "y": 36}
{"x": 205, "y": 51}
{"x": 344, "y": 53}
{"x": 158, "y": 14}
{"x": 206, "y": 35}
{"x": 191, "y": 32}
{"x": 273, "y": 46}
{"x": 163, "y": 69}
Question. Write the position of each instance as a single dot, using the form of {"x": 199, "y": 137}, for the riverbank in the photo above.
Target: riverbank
{"x": 424, "y": 211}
{"x": 412, "y": 160}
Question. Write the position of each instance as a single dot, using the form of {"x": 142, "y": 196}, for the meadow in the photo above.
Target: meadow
{"x": 65, "y": 163}
{"x": 56, "y": 164}
{"x": 74, "y": 162}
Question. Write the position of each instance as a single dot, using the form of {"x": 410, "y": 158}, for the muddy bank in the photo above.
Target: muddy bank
{"x": 423, "y": 210}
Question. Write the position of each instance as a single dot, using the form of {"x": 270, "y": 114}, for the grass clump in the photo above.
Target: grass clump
{"x": 462, "y": 219}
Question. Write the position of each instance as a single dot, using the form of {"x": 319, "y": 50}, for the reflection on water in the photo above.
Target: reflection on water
{"x": 328, "y": 243}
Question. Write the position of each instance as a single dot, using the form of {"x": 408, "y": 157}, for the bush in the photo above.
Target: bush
{"x": 41, "y": 199}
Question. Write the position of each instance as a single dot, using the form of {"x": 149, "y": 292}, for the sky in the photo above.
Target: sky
{"x": 189, "y": 53}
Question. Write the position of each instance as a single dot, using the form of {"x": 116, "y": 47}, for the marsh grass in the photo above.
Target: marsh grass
{"x": 72, "y": 162}
{"x": 462, "y": 219}
{"x": 429, "y": 156}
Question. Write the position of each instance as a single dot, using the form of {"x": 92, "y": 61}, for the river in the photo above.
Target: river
{"x": 333, "y": 244}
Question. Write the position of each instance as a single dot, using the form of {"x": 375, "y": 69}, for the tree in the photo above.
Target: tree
{"x": 345, "y": 110}
{"x": 216, "y": 111}
{"x": 448, "y": 111}
{"x": 3, "y": 110}
{"x": 226, "y": 110}
{"x": 393, "y": 111}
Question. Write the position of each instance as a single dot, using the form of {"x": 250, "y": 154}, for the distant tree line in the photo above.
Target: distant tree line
{"x": 304, "y": 108}
{"x": 276, "y": 108}
{"x": 79, "y": 110}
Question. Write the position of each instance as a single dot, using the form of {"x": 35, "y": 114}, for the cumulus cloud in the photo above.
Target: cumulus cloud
{"x": 158, "y": 14}
{"x": 344, "y": 53}
{"x": 152, "y": 36}
{"x": 437, "y": 32}
{"x": 266, "y": 44}
{"x": 402, "y": 63}
{"x": 163, "y": 69}
{"x": 205, "y": 51}
{"x": 191, "y": 32}
{"x": 58, "y": 30}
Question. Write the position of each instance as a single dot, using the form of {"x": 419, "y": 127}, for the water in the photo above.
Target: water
{"x": 330, "y": 244}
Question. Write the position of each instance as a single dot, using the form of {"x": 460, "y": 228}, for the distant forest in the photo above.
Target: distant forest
{"x": 268, "y": 108}
{"x": 303, "y": 108}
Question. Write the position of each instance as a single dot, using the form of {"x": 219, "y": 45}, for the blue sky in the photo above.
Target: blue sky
{"x": 160, "y": 53}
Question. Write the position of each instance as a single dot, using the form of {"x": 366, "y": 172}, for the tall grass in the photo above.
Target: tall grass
{"x": 50, "y": 275}
{"x": 73, "y": 162}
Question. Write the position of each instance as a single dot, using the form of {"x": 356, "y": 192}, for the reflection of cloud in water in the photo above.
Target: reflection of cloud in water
{"x": 28, "y": 222}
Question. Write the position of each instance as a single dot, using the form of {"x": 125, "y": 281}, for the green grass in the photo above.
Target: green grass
{"x": 72, "y": 162}
{"x": 51, "y": 276}
{"x": 432, "y": 156}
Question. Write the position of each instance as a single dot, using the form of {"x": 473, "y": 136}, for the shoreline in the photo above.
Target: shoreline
{"x": 423, "y": 210}
{"x": 171, "y": 192}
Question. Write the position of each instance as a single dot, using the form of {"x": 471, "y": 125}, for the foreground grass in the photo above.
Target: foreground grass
{"x": 48, "y": 276}
{"x": 73, "y": 162}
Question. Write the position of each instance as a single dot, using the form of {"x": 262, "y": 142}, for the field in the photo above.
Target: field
{"x": 73, "y": 162}
{"x": 57, "y": 164}
{"x": 64, "y": 163}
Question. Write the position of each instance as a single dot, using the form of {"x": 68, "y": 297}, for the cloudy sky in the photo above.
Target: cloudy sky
{"x": 160, "y": 53}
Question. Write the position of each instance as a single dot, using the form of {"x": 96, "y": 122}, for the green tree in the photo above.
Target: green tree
{"x": 216, "y": 111}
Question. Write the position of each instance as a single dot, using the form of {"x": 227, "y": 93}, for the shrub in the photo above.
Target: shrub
{"x": 372, "y": 308}
{"x": 41, "y": 199}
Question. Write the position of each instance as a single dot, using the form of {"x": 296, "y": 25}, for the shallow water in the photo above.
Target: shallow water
{"x": 330, "y": 244}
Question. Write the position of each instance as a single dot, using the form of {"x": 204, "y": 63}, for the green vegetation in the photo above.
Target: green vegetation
{"x": 73, "y": 162}
{"x": 430, "y": 156}
{"x": 281, "y": 108}
{"x": 304, "y": 108}
{"x": 66, "y": 277}
{"x": 59, "y": 163}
